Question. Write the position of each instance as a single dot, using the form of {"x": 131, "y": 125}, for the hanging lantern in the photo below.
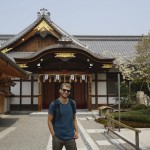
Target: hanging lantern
{"x": 57, "y": 77}
{"x": 71, "y": 78}
{"x": 83, "y": 77}
{"x": 46, "y": 76}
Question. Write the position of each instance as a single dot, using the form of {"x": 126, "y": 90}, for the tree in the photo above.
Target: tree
{"x": 137, "y": 69}
{"x": 127, "y": 97}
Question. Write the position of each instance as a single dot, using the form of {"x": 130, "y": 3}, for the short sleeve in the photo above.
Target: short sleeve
{"x": 51, "y": 108}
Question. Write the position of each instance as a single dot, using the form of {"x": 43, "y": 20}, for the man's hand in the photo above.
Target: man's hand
{"x": 76, "y": 135}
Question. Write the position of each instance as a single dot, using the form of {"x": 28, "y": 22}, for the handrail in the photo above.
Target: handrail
{"x": 110, "y": 119}
{"x": 121, "y": 124}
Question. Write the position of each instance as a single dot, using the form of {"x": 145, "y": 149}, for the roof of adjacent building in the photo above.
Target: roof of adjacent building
{"x": 111, "y": 45}
{"x": 11, "y": 69}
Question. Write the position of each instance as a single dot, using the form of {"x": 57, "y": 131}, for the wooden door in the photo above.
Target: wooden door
{"x": 80, "y": 95}
{"x": 48, "y": 93}
{"x": 51, "y": 92}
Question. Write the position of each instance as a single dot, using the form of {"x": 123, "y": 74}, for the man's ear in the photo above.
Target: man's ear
{"x": 59, "y": 90}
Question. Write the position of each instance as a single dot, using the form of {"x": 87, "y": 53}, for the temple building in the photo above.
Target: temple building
{"x": 51, "y": 56}
{"x": 8, "y": 70}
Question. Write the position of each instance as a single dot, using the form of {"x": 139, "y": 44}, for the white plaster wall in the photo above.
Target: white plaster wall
{"x": 112, "y": 100}
{"x": 35, "y": 88}
{"x": 26, "y": 88}
{"x": 15, "y": 100}
{"x": 93, "y": 88}
{"x": 101, "y": 76}
{"x": 93, "y": 100}
{"x": 26, "y": 100}
{"x": 35, "y": 100}
{"x": 102, "y": 100}
{"x": 16, "y": 89}
{"x": 102, "y": 88}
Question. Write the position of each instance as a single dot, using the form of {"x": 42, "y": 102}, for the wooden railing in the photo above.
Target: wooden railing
{"x": 112, "y": 127}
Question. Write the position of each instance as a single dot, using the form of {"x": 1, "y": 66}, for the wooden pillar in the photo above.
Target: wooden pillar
{"x": 1, "y": 103}
{"x": 89, "y": 93}
{"x": 107, "y": 88}
{"x": 96, "y": 90}
{"x": 20, "y": 105}
{"x": 32, "y": 91}
{"x": 40, "y": 97}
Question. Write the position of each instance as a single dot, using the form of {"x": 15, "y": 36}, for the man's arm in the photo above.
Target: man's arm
{"x": 50, "y": 124}
{"x": 76, "y": 134}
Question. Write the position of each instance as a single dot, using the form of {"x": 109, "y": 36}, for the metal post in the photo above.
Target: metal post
{"x": 119, "y": 99}
{"x": 137, "y": 140}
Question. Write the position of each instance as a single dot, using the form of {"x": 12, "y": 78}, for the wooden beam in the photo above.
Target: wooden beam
{"x": 89, "y": 93}
{"x": 40, "y": 97}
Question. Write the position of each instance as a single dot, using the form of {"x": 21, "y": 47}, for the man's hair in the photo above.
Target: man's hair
{"x": 65, "y": 84}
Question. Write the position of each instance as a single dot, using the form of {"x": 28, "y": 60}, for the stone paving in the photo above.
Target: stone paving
{"x": 96, "y": 132}
{"x": 30, "y": 132}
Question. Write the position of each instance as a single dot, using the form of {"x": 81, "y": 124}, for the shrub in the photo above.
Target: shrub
{"x": 135, "y": 116}
{"x": 102, "y": 121}
{"x": 145, "y": 111}
{"x": 139, "y": 107}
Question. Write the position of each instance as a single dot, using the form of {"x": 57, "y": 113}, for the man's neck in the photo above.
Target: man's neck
{"x": 63, "y": 100}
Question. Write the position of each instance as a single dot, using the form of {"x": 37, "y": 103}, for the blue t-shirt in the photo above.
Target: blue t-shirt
{"x": 64, "y": 123}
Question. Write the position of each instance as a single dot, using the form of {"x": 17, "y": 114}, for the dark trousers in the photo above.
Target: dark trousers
{"x": 58, "y": 144}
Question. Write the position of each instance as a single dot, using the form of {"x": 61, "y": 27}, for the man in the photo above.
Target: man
{"x": 62, "y": 121}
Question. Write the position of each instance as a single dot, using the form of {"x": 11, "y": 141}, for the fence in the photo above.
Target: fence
{"x": 112, "y": 123}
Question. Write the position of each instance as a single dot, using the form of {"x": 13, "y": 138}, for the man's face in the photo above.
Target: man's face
{"x": 65, "y": 91}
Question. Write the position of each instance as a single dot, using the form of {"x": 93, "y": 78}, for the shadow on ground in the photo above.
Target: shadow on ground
{"x": 7, "y": 122}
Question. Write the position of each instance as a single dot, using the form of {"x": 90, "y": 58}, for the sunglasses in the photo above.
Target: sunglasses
{"x": 64, "y": 90}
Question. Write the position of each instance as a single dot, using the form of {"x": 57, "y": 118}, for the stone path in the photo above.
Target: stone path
{"x": 30, "y": 132}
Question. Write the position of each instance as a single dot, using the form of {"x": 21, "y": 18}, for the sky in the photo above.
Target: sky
{"x": 79, "y": 17}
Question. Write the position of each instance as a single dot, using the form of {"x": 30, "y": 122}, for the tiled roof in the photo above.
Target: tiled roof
{"x": 18, "y": 36}
{"x": 111, "y": 45}
{"x": 13, "y": 55}
{"x": 4, "y": 38}
{"x": 49, "y": 49}
{"x": 102, "y": 45}
{"x": 11, "y": 69}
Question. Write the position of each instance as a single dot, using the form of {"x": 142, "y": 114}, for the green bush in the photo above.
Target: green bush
{"x": 145, "y": 111}
{"x": 135, "y": 116}
{"x": 139, "y": 107}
